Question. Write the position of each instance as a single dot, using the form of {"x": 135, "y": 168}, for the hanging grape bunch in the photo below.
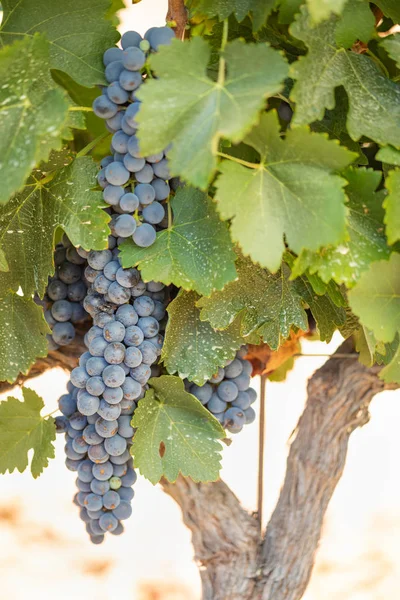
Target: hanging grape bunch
{"x": 65, "y": 293}
{"x": 228, "y": 395}
{"x": 135, "y": 187}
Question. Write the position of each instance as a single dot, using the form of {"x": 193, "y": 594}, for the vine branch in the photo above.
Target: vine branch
{"x": 177, "y": 14}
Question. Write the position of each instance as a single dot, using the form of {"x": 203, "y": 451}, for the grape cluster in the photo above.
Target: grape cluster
{"x": 64, "y": 296}
{"x": 135, "y": 186}
{"x": 228, "y": 395}
{"x": 123, "y": 344}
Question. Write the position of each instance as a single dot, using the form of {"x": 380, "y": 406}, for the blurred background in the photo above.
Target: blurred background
{"x": 45, "y": 551}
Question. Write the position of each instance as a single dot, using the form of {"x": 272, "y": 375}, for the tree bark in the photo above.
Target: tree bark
{"x": 236, "y": 563}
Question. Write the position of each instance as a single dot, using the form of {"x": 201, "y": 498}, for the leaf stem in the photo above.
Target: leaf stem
{"x": 169, "y": 215}
{"x": 50, "y": 414}
{"x": 92, "y": 144}
{"x": 222, "y": 63}
{"x": 81, "y": 108}
{"x": 239, "y": 160}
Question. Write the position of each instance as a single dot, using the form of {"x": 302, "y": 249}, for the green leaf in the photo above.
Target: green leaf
{"x": 391, "y": 373}
{"x": 326, "y": 312}
{"x": 195, "y": 253}
{"x": 325, "y": 67}
{"x": 33, "y": 111}
{"x": 357, "y": 23}
{"x": 270, "y": 305}
{"x": 365, "y": 344}
{"x": 23, "y": 429}
{"x": 391, "y": 8}
{"x": 175, "y": 434}
{"x": 366, "y": 241}
{"x": 322, "y": 9}
{"x": 200, "y": 111}
{"x": 28, "y": 222}
{"x": 292, "y": 193}
{"x": 376, "y": 298}
{"x": 267, "y": 304}
{"x": 334, "y": 124}
{"x": 392, "y": 47}
{"x": 78, "y": 33}
{"x": 392, "y": 206}
{"x": 22, "y": 335}
{"x": 389, "y": 155}
{"x": 260, "y": 9}
{"x": 192, "y": 348}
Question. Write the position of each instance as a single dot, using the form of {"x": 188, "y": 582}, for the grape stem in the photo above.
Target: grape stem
{"x": 239, "y": 160}
{"x": 222, "y": 62}
{"x": 81, "y": 108}
{"x": 169, "y": 215}
{"x": 92, "y": 144}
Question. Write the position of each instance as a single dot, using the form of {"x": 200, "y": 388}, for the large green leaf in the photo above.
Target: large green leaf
{"x": 183, "y": 106}
{"x": 267, "y": 304}
{"x": 23, "y": 429}
{"x": 376, "y": 298}
{"x": 260, "y": 9}
{"x": 391, "y": 8}
{"x": 22, "y": 335}
{"x": 28, "y": 222}
{"x": 391, "y": 372}
{"x": 292, "y": 192}
{"x": 322, "y": 9}
{"x": 194, "y": 253}
{"x": 175, "y": 434}
{"x": 366, "y": 241}
{"x": 374, "y": 100}
{"x": 270, "y": 305}
{"x": 77, "y": 31}
{"x": 192, "y": 348}
{"x": 356, "y": 23}
{"x": 392, "y": 47}
{"x": 389, "y": 155}
{"x": 392, "y": 206}
{"x": 33, "y": 112}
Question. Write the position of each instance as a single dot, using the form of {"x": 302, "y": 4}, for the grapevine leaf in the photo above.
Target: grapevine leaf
{"x": 200, "y": 111}
{"x": 389, "y": 155}
{"x": 192, "y": 348}
{"x": 22, "y": 335}
{"x": 22, "y": 429}
{"x": 366, "y": 241}
{"x": 175, "y": 434}
{"x": 391, "y": 373}
{"x": 392, "y": 47}
{"x": 322, "y": 9}
{"x": 392, "y": 206}
{"x": 28, "y": 222}
{"x": 260, "y": 9}
{"x": 325, "y": 67}
{"x": 33, "y": 111}
{"x": 391, "y": 8}
{"x": 357, "y": 23}
{"x": 291, "y": 192}
{"x": 376, "y": 298}
{"x": 267, "y": 304}
{"x": 195, "y": 253}
{"x": 334, "y": 124}
{"x": 327, "y": 314}
{"x": 365, "y": 344}
{"x": 78, "y": 33}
